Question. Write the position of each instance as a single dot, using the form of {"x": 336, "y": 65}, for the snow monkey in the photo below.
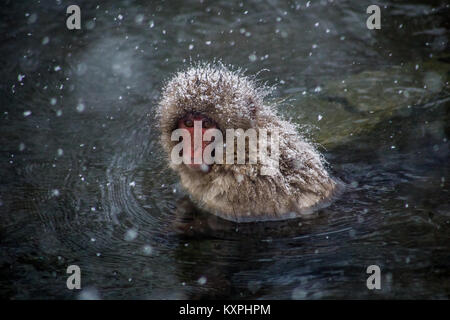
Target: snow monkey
{"x": 208, "y": 97}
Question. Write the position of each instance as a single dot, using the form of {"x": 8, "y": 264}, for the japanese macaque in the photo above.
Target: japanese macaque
{"x": 205, "y": 97}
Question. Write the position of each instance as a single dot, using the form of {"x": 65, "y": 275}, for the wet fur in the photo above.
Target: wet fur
{"x": 238, "y": 192}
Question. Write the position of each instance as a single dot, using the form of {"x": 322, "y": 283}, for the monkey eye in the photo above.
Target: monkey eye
{"x": 207, "y": 124}
{"x": 188, "y": 123}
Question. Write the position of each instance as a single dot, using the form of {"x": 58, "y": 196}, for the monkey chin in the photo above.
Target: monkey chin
{"x": 205, "y": 168}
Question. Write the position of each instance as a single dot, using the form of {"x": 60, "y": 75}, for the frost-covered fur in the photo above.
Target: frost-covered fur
{"x": 239, "y": 192}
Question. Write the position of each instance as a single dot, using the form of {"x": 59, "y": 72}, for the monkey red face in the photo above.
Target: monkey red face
{"x": 190, "y": 122}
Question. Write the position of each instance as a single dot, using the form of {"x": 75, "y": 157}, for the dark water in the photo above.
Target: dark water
{"x": 83, "y": 179}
